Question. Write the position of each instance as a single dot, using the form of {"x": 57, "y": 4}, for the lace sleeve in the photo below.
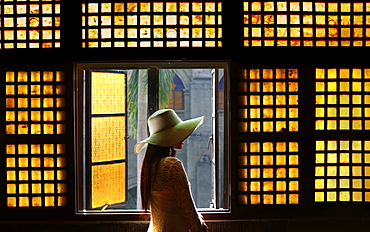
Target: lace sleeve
{"x": 181, "y": 188}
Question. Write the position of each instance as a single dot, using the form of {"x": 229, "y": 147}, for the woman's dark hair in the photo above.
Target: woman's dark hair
{"x": 149, "y": 166}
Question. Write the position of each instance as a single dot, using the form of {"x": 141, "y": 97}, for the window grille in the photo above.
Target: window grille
{"x": 30, "y": 24}
{"x": 36, "y": 175}
{"x": 268, "y": 171}
{"x": 342, "y": 163}
{"x": 152, "y": 24}
{"x": 306, "y": 24}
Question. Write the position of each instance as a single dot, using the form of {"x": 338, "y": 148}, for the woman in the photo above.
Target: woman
{"x": 164, "y": 184}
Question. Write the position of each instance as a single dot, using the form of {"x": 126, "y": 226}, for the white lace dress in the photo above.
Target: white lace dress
{"x": 172, "y": 205}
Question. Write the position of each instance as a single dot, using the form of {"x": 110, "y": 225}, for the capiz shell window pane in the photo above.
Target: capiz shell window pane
{"x": 108, "y": 184}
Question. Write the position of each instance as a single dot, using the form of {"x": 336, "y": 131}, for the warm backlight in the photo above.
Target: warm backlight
{"x": 342, "y": 99}
{"x": 152, "y": 24}
{"x": 30, "y": 24}
{"x": 268, "y": 173}
{"x": 108, "y": 138}
{"x": 36, "y": 175}
{"x": 308, "y": 24}
{"x": 269, "y": 100}
{"x": 35, "y": 102}
{"x": 342, "y": 171}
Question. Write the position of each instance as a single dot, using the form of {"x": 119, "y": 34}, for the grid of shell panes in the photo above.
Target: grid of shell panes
{"x": 342, "y": 99}
{"x": 342, "y": 172}
{"x": 36, "y": 175}
{"x": 268, "y": 173}
{"x": 30, "y": 24}
{"x": 309, "y": 24}
{"x": 342, "y": 104}
{"x": 152, "y": 24}
{"x": 268, "y": 100}
{"x": 35, "y": 103}
{"x": 108, "y": 138}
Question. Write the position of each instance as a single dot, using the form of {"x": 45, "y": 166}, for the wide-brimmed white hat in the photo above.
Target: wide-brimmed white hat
{"x": 167, "y": 129}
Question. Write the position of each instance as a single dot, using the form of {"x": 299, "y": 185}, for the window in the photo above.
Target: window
{"x": 152, "y": 24}
{"x": 114, "y": 101}
{"x": 302, "y": 139}
{"x": 176, "y": 100}
{"x": 268, "y": 170}
{"x": 306, "y": 24}
{"x": 30, "y": 24}
{"x": 36, "y": 170}
{"x": 342, "y": 167}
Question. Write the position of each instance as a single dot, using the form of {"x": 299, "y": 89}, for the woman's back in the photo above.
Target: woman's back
{"x": 172, "y": 206}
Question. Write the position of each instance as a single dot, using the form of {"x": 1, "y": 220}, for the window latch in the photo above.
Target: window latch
{"x": 210, "y": 141}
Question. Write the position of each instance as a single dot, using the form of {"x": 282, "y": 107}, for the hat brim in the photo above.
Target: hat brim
{"x": 170, "y": 136}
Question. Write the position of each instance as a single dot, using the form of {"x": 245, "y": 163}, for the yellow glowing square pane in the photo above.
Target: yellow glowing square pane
{"x": 293, "y": 199}
{"x": 280, "y": 113}
{"x": 356, "y": 99}
{"x": 255, "y": 173}
{"x": 319, "y": 184}
{"x": 255, "y": 113}
{"x": 268, "y": 147}
{"x": 332, "y": 158}
{"x": 281, "y": 173}
{"x": 243, "y": 147}
{"x": 109, "y": 135}
{"x": 268, "y": 173}
{"x": 320, "y": 158}
{"x": 357, "y": 196}
{"x": 319, "y": 171}
{"x": 255, "y": 186}
{"x": 268, "y": 126}
{"x": 255, "y": 147}
{"x": 280, "y": 100}
{"x": 320, "y": 125}
{"x": 268, "y": 100}
{"x": 293, "y": 186}
{"x": 357, "y": 125}
{"x": 268, "y": 160}
{"x": 108, "y": 90}
{"x": 256, "y": 6}
{"x": 268, "y": 113}
{"x": 268, "y": 199}
{"x": 281, "y": 160}
{"x": 254, "y": 160}
{"x": 331, "y": 183}
{"x": 243, "y": 173}
{"x": 332, "y": 112}
{"x": 268, "y": 186}
{"x": 344, "y": 171}
{"x": 255, "y": 127}
{"x": 293, "y": 126}
{"x": 280, "y": 185}
{"x": 242, "y": 199}
{"x": 319, "y": 197}
{"x": 243, "y": 113}
{"x": 320, "y": 112}
{"x": 293, "y": 173}
{"x": 243, "y": 186}
{"x": 331, "y": 196}
{"x": 280, "y": 146}
{"x": 10, "y": 162}
{"x": 344, "y": 157}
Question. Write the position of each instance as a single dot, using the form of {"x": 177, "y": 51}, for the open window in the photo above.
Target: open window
{"x": 113, "y": 102}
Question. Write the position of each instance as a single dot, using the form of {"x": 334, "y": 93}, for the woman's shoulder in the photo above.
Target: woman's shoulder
{"x": 171, "y": 160}
{"x": 171, "y": 163}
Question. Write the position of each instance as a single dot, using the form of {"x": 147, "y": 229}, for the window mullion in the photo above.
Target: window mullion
{"x": 153, "y": 90}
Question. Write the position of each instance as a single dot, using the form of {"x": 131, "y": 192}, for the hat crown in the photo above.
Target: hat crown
{"x": 162, "y": 120}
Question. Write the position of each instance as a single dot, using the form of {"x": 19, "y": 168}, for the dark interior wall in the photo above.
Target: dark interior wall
{"x": 22, "y": 220}
{"x": 304, "y": 225}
